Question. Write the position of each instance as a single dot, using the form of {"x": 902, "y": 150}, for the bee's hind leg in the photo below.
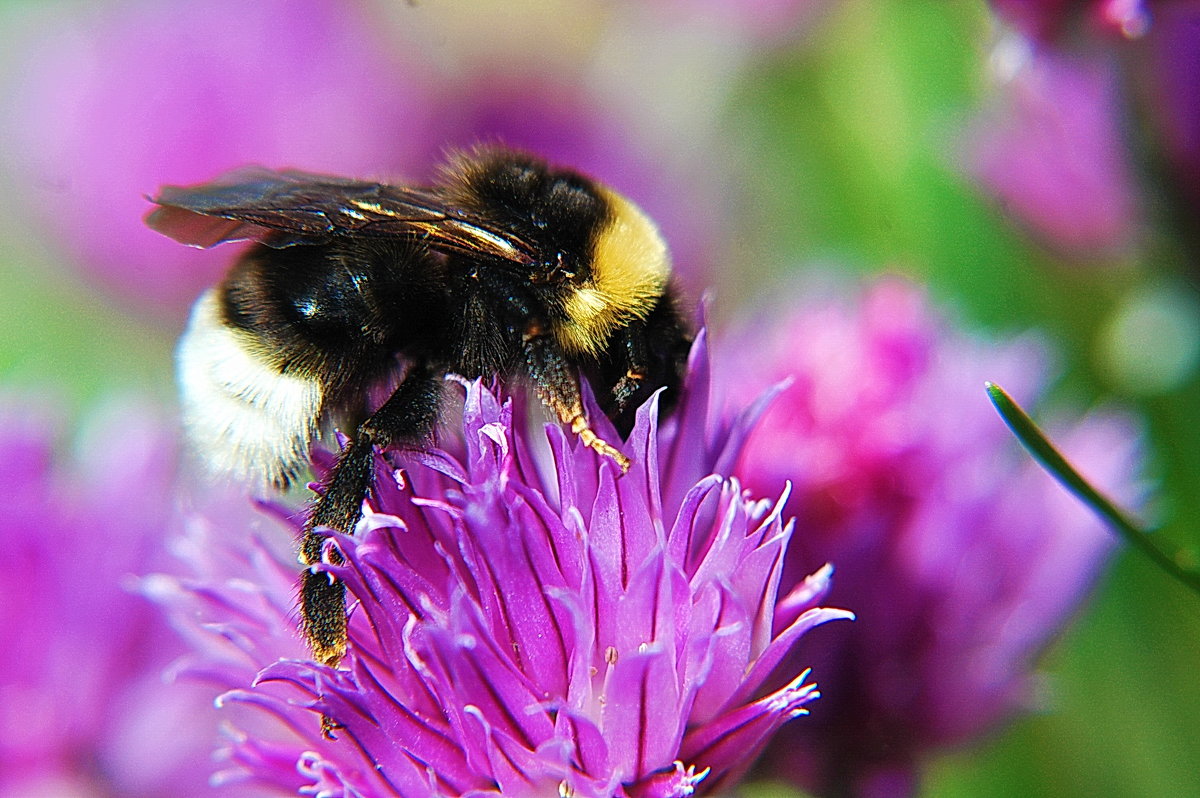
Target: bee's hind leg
{"x": 408, "y": 416}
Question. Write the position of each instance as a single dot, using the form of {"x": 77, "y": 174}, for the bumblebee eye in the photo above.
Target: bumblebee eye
{"x": 559, "y": 271}
{"x": 553, "y": 271}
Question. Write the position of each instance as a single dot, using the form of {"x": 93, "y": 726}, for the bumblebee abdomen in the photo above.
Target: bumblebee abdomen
{"x": 242, "y": 415}
{"x": 307, "y": 311}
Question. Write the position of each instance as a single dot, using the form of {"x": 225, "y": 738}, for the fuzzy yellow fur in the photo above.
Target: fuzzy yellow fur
{"x": 630, "y": 268}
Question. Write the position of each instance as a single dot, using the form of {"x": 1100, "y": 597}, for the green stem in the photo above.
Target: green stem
{"x": 1053, "y": 461}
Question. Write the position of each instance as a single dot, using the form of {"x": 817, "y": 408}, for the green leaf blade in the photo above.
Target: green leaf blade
{"x": 1051, "y": 459}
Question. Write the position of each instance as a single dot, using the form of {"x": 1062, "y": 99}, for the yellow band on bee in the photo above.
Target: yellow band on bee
{"x": 630, "y": 269}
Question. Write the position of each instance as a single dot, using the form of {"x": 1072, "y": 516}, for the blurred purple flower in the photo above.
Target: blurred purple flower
{"x": 84, "y": 710}
{"x": 1081, "y": 84}
{"x": 1170, "y": 80}
{"x": 1047, "y": 20}
{"x": 525, "y": 621}
{"x": 1051, "y": 151}
{"x": 960, "y": 557}
{"x": 106, "y": 105}
{"x": 1041, "y": 19}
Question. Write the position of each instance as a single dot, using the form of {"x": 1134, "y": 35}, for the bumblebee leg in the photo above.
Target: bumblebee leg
{"x": 558, "y": 387}
{"x": 634, "y": 355}
{"x": 644, "y": 356}
{"x": 408, "y": 416}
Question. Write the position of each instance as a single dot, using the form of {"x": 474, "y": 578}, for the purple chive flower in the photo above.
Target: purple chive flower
{"x": 1051, "y": 151}
{"x": 104, "y": 106}
{"x": 84, "y": 708}
{"x": 525, "y": 622}
{"x": 1080, "y": 87}
{"x": 960, "y": 557}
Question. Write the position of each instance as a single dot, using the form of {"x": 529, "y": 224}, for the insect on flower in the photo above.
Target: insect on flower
{"x": 504, "y": 267}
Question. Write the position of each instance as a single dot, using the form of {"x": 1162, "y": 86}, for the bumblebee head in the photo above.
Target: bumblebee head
{"x": 601, "y": 262}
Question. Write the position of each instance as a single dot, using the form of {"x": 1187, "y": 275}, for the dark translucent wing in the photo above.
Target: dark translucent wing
{"x": 286, "y": 208}
{"x": 249, "y": 204}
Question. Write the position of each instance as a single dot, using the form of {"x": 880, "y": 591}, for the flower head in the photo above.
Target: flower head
{"x": 527, "y": 621}
{"x": 960, "y": 557}
{"x": 1052, "y": 152}
{"x": 82, "y": 690}
{"x": 1131, "y": 111}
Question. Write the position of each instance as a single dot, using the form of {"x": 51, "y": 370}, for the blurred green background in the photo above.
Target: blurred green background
{"x": 832, "y": 149}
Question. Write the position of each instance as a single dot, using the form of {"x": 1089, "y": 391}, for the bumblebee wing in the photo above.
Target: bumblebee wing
{"x": 283, "y": 208}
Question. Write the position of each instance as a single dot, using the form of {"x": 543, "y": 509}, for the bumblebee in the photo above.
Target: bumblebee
{"x": 504, "y": 267}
